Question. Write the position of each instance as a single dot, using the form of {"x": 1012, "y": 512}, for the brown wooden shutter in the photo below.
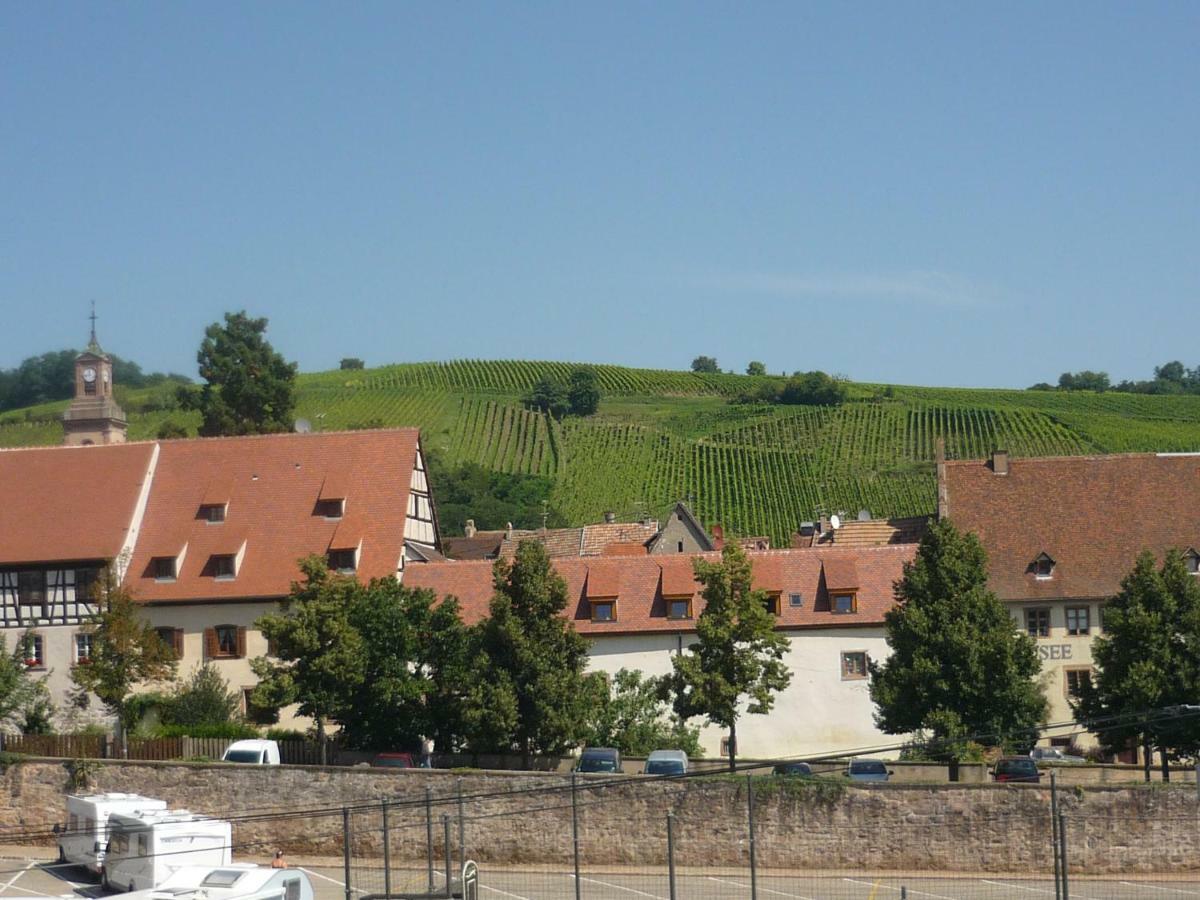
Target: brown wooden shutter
{"x": 241, "y": 641}
{"x": 211, "y": 648}
{"x": 177, "y": 642}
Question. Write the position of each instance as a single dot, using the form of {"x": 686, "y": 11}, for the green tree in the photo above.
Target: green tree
{"x": 417, "y": 658}
{"x": 549, "y": 396}
{"x": 583, "y": 392}
{"x": 25, "y": 703}
{"x": 171, "y": 429}
{"x": 530, "y": 673}
{"x": 492, "y": 499}
{"x": 351, "y": 362}
{"x": 126, "y": 650}
{"x": 1086, "y": 380}
{"x": 738, "y": 659}
{"x": 205, "y": 698}
{"x": 319, "y": 656}
{"x": 813, "y": 389}
{"x": 249, "y": 388}
{"x": 1148, "y": 657}
{"x": 756, "y": 368}
{"x": 705, "y": 364}
{"x": 631, "y": 715}
{"x": 959, "y": 666}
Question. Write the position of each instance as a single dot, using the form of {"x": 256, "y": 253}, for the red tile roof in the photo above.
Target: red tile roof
{"x": 1092, "y": 515}
{"x": 643, "y": 581}
{"x": 841, "y": 574}
{"x": 69, "y": 503}
{"x": 585, "y": 540}
{"x": 273, "y": 484}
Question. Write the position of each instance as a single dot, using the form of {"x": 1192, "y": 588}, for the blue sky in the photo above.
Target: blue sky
{"x": 970, "y": 194}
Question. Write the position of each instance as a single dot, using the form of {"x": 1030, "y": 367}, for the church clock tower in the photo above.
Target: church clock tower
{"x": 93, "y": 416}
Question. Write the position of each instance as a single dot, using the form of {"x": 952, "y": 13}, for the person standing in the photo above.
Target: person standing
{"x": 426, "y": 753}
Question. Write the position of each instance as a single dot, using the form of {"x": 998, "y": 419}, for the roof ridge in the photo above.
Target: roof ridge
{"x": 1143, "y": 454}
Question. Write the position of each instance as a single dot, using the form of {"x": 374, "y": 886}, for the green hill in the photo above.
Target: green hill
{"x": 661, "y": 435}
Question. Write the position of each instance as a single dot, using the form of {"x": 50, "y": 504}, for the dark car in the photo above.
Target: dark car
{"x": 394, "y": 761}
{"x": 599, "y": 759}
{"x": 803, "y": 769}
{"x": 1016, "y": 770}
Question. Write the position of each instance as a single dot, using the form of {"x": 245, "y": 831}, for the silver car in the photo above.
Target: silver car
{"x": 1053, "y": 755}
{"x": 868, "y": 770}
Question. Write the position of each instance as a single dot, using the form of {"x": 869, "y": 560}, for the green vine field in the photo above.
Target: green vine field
{"x": 661, "y": 435}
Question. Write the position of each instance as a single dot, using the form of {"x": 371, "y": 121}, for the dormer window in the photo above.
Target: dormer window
{"x": 344, "y": 561}
{"x": 679, "y": 607}
{"x": 844, "y": 603}
{"x": 1191, "y": 561}
{"x": 164, "y": 568}
{"x": 603, "y": 610}
{"x": 212, "y": 513}
{"x": 1043, "y": 566}
{"x": 222, "y": 566}
{"x": 330, "y": 509}
{"x": 771, "y": 604}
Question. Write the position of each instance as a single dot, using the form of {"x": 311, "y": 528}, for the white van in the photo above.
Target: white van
{"x": 255, "y": 751}
{"x": 233, "y": 882}
{"x": 147, "y": 848}
{"x": 82, "y": 841}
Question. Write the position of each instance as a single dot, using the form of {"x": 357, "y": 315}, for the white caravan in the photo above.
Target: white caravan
{"x": 232, "y": 882}
{"x": 145, "y": 849}
{"x": 82, "y": 841}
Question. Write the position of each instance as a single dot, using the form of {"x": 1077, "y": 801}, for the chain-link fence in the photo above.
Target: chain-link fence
{"x": 764, "y": 838}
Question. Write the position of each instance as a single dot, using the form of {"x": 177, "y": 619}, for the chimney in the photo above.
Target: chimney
{"x": 469, "y": 528}
{"x": 508, "y": 531}
{"x": 823, "y": 525}
{"x": 943, "y": 495}
{"x": 718, "y": 534}
{"x": 1000, "y": 462}
{"x": 609, "y": 517}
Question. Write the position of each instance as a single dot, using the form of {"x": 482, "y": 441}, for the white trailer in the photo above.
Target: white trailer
{"x": 144, "y": 850}
{"x": 82, "y": 840}
{"x": 231, "y": 882}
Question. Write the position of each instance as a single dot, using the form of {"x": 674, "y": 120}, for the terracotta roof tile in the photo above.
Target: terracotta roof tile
{"x": 1091, "y": 514}
{"x": 678, "y": 581}
{"x": 603, "y": 581}
{"x": 841, "y": 574}
{"x": 586, "y": 540}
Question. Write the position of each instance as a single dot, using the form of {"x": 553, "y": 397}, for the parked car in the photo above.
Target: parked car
{"x": 255, "y": 751}
{"x": 868, "y": 770}
{"x": 394, "y": 761}
{"x": 599, "y": 759}
{"x": 1053, "y": 755}
{"x": 666, "y": 762}
{"x": 802, "y": 769}
{"x": 1016, "y": 769}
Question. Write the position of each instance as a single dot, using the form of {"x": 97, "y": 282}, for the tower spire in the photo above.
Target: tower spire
{"x": 93, "y": 344}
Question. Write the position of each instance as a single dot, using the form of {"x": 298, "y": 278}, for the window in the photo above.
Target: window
{"x": 1191, "y": 559}
{"x": 164, "y": 568}
{"x": 854, "y": 665}
{"x": 1037, "y": 622}
{"x": 604, "y": 610}
{"x": 679, "y": 547}
{"x": 343, "y": 560}
{"x": 225, "y": 642}
{"x": 291, "y": 889}
{"x": 771, "y": 604}
{"x": 143, "y": 845}
{"x": 31, "y": 588}
{"x": 1078, "y": 620}
{"x": 213, "y": 513}
{"x": 172, "y": 637}
{"x": 329, "y": 509}
{"x": 85, "y": 581}
{"x": 83, "y": 647}
{"x": 35, "y": 652}
{"x": 1075, "y": 679}
{"x": 795, "y": 599}
{"x": 1043, "y": 566}
{"x": 222, "y": 566}
{"x": 679, "y": 608}
{"x": 844, "y": 603}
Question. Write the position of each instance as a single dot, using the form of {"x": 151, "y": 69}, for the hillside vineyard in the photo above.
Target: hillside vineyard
{"x": 661, "y": 436}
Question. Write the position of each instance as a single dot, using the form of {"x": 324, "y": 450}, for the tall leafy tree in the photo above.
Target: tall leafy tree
{"x": 126, "y": 650}
{"x": 531, "y": 693}
{"x": 205, "y": 698}
{"x": 1148, "y": 657}
{"x": 705, "y": 364}
{"x": 249, "y": 388}
{"x": 583, "y": 392}
{"x": 756, "y": 368}
{"x": 319, "y": 659}
{"x": 737, "y": 662}
{"x": 630, "y": 714}
{"x": 25, "y": 703}
{"x": 959, "y": 666}
{"x": 416, "y": 658}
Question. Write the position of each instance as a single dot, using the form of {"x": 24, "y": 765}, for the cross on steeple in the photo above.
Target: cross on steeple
{"x": 93, "y": 318}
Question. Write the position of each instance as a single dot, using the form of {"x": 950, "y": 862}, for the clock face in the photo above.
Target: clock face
{"x": 89, "y": 374}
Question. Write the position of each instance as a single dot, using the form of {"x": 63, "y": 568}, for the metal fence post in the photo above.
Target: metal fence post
{"x": 1054, "y": 836}
{"x": 1062, "y": 840}
{"x": 575, "y": 830}
{"x": 462, "y": 829}
{"x": 429, "y": 834}
{"x": 671, "y": 854}
{"x": 347, "y": 838}
{"x": 387, "y": 850}
{"x": 750, "y": 817}
{"x": 449, "y": 860}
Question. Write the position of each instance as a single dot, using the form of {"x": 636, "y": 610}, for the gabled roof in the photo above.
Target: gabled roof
{"x": 1092, "y": 514}
{"x": 642, "y": 583}
{"x": 64, "y": 504}
{"x": 688, "y": 518}
{"x": 585, "y": 540}
{"x": 868, "y": 533}
{"x": 273, "y": 483}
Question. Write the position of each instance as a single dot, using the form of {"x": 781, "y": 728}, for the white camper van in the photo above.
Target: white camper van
{"x": 146, "y": 848}
{"x": 232, "y": 882}
{"x": 82, "y": 841}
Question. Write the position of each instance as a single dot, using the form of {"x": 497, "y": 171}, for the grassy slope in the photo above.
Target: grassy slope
{"x": 661, "y": 435}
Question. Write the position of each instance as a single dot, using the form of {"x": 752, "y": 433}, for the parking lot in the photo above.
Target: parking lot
{"x": 33, "y": 873}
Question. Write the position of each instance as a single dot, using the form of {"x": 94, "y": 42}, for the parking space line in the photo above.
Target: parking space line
{"x": 1022, "y": 887}
{"x": 29, "y": 865}
{"x": 319, "y": 875}
{"x": 765, "y": 890}
{"x": 620, "y": 887}
{"x": 1159, "y": 887}
{"x": 488, "y": 887}
{"x": 875, "y": 884}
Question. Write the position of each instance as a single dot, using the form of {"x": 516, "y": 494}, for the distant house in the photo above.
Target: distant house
{"x": 863, "y": 532}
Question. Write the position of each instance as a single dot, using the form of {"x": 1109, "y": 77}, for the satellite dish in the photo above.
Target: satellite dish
{"x": 835, "y": 521}
{"x": 302, "y": 426}
{"x": 864, "y": 515}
